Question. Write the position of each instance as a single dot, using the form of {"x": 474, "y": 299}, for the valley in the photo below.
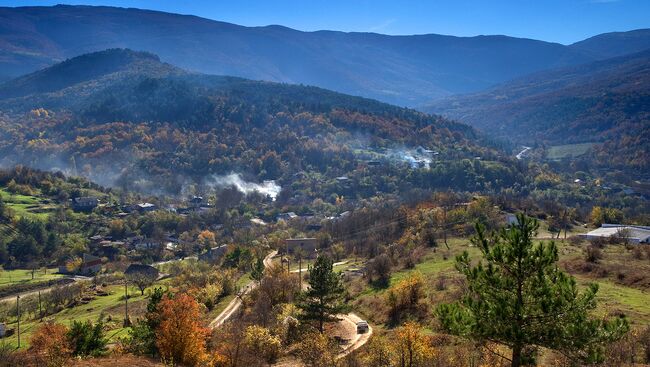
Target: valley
{"x": 182, "y": 191}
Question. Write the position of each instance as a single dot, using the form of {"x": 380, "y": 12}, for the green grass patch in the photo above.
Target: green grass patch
{"x": 567, "y": 151}
{"x": 110, "y": 308}
{"x": 23, "y": 276}
{"x": 27, "y": 206}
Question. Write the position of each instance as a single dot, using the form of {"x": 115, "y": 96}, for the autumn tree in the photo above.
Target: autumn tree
{"x": 262, "y": 344}
{"x": 49, "y": 345}
{"x": 180, "y": 337}
{"x": 207, "y": 239}
{"x": 317, "y": 350}
{"x": 521, "y": 299}
{"x": 323, "y": 299}
{"x": 412, "y": 347}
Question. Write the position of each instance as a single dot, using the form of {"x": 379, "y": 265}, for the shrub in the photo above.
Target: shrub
{"x": 87, "y": 339}
{"x": 49, "y": 345}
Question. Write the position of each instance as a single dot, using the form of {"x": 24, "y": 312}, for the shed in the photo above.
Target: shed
{"x": 632, "y": 233}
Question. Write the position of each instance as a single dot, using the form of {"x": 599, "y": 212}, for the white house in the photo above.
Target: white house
{"x": 633, "y": 234}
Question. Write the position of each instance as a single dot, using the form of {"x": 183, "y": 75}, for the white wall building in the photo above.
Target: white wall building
{"x": 634, "y": 234}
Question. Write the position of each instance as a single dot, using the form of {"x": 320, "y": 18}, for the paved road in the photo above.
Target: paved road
{"x": 75, "y": 278}
{"x": 234, "y": 305}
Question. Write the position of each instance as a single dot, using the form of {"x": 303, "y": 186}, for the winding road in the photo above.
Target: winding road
{"x": 234, "y": 305}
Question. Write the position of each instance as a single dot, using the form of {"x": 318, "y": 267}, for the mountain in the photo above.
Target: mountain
{"x": 124, "y": 118}
{"x": 605, "y": 102}
{"x": 403, "y": 70}
{"x": 608, "y": 45}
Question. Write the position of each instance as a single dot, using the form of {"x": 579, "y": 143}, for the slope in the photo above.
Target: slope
{"x": 604, "y": 102}
{"x": 405, "y": 70}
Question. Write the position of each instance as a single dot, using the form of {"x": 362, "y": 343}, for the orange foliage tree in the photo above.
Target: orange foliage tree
{"x": 180, "y": 337}
{"x": 49, "y": 345}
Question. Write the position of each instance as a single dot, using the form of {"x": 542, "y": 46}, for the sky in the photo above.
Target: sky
{"x": 563, "y": 21}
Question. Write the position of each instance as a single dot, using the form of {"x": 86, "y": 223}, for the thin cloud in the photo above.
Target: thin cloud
{"x": 383, "y": 25}
{"x": 604, "y": 1}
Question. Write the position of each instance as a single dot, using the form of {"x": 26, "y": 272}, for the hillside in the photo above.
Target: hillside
{"x": 605, "y": 102}
{"x": 144, "y": 125}
{"x": 608, "y": 45}
{"x": 404, "y": 70}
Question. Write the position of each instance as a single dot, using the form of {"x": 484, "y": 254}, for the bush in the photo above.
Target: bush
{"x": 594, "y": 254}
{"x": 87, "y": 339}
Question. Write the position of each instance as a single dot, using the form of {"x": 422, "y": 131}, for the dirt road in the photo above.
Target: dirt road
{"x": 234, "y": 305}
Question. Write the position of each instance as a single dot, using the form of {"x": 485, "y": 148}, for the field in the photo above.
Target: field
{"x": 567, "y": 151}
{"x": 26, "y": 205}
{"x": 24, "y": 276}
{"x": 614, "y": 296}
{"x": 109, "y": 308}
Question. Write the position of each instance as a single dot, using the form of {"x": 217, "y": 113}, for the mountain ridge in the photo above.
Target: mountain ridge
{"x": 403, "y": 70}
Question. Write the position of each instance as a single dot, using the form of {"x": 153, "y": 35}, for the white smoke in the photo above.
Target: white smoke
{"x": 267, "y": 188}
{"x": 414, "y": 158}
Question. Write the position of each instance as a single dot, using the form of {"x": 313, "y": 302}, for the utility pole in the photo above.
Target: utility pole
{"x": 18, "y": 313}
{"x": 300, "y": 270}
{"x": 126, "y": 305}
{"x": 40, "y": 310}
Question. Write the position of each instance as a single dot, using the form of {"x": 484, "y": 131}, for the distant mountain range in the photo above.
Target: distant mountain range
{"x": 403, "y": 70}
{"x": 604, "y": 102}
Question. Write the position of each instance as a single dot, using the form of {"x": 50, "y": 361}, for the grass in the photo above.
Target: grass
{"x": 23, "y": 276}
{"x": 567, "y": 151}
{"x": 612, "y": 297}
{"x": 110, "y": 308}
{"x": 26, "y": 205}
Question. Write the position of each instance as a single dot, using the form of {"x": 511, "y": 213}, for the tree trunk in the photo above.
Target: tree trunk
{"x": 516, "y": 356}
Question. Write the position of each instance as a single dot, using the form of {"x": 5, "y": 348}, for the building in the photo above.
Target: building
{"x": 308, "y": 246}
{"x": 511, "y": 219}
{"x": 3, "y": 329}
{"x": 146, "y": 207}
{"x": 146, "y": 244}
{"x": 84, "y": 203}
{"x": 214, "y": 254}
{"x": 90, "y": 265}
{"x": 142, "y": 269}
{"x": 286, "y": 216}
{"x": 631, "y": 233}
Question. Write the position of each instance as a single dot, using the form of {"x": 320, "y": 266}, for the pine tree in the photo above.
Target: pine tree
{"x": 323, "y": 299}
{"x": 519, "y": 298}
{"x": 257, "y": 269}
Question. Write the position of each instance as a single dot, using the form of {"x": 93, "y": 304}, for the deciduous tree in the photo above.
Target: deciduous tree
{"x": 180, "y": 337}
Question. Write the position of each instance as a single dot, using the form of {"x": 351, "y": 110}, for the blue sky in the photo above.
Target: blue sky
{"x": 563, "y": 21}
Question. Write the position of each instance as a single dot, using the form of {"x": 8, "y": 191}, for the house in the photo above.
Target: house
{"x": 214, "y": 254}
{"x": 90, "y": 265}
{"x": 633, "y": 234}
{"x": 374, "y": 163}
{"x": 146, "y": 207}
{"x": 308, "y": 246}
{"x": 511, "y": 219}
{"x": 84, "y": 203}
{"x": 141, "y": 269}
{"x": 196, "y": 200}
{"x": 286, "y": 216}
{"x": 146, "y": 244}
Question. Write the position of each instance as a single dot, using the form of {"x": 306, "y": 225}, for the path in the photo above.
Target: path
{"x": 234, "y": 305}
{"x": 521, "y": 154}
{"x": 358, "y": 340}
{"x": 45, "y": 289}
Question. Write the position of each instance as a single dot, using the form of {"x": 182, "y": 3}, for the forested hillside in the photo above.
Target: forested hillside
{"x": 605, "y": 102}
{"x": 142, "y": 124}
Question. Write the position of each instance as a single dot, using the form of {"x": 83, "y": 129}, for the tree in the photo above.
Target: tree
{"x": 257, "y": 269}
{"x": 87, "y": 339}
{"x": 322, "y": 300}
{"x": 317, "y": 350}
{"x": 262, "y": 344}
{"x": 142, "y": 276}
{"x": 180, "y": 337}
{"x": 412, "y": 347}
{"x": 50, "y": 346}
{"x": 520, "y": 299}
